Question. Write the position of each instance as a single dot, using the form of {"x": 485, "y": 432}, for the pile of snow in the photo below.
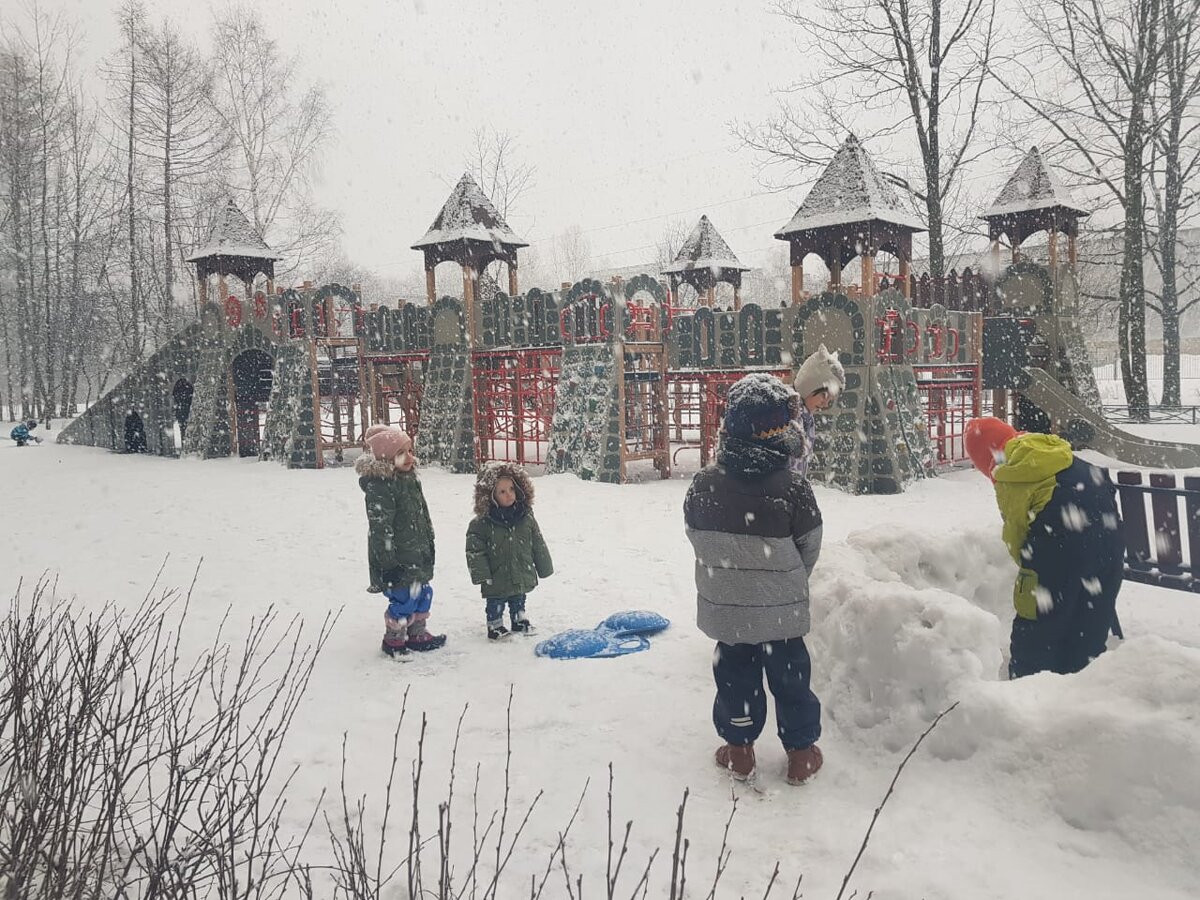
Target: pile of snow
{"x": 902, "y": 622}
{"x": 1112, "y": 749}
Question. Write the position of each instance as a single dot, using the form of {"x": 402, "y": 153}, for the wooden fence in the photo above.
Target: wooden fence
{"x": 1161, "y": 528}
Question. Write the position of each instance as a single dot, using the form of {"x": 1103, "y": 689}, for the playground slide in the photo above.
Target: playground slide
{"x": 1072, "y": 418}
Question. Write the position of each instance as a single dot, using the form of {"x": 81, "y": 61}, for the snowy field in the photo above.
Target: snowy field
{"x": 1051, "y": 787}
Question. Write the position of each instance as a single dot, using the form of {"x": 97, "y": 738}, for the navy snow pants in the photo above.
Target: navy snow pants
{"x": 740, "y": 710}
{"x": 1067, "y": 637}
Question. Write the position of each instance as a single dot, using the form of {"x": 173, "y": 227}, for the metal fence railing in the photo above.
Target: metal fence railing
{"x": 1122, "y": 414}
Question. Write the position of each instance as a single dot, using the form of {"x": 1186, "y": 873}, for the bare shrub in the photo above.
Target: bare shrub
{"x": 129, "y": 771}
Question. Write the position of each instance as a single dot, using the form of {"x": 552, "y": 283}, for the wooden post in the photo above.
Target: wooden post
{"x": 223, "y": 288}
{"x": 512, "y": 278}
{"x": 469, "y": 302}
{"x": 797, "y": 283}
{"x": 710, "y": 296}
{"x": 1015, "y": 235}
{"x": 737, "y": 296}
{"x": 234, "y": 448}
{"x": 868, "y": 273}
{"x": 202, "y": 290}
{"x": 316, "y": 397}
{"x": 430, "y": 285}
{"x": 1072, "y": 248}
{"x": 1052, "y": 245}
{"x": 835, "y": 268}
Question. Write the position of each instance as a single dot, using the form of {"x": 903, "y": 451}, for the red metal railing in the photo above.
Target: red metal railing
{"x": 951, "y": 395}
{"x": 514, "y": 403}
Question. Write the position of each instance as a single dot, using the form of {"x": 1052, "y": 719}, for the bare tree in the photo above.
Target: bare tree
{"x": 1174, "y": 170}
{"x": 176, "y": 135}
{"x": 45, "y": 40}
{"x": 570, "y": 254}
{"x": 1095, "y": 71}
{"x": 881, "y": 68}
{"x": 669, "y": 243}
{"x": 493, "y": 163}
{"x": 17, "y": 172}
{"x": 276, "y": 138}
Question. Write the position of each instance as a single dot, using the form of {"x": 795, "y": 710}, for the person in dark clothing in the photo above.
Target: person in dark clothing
{"x": 21, "y": 435}
{"x": 1063, "y": 530}
{"x": 756, "y": 531}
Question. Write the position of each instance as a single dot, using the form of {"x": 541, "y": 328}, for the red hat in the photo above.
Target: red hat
{"x": 985, "y": 439}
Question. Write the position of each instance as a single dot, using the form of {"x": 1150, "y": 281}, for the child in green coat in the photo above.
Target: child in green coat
{"x": 399, "y": 540}
{"x": 506, "y": 553}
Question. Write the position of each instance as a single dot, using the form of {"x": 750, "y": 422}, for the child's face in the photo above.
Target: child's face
{"x": 819, "y": 399}
{"x": 405, "y": 461}
{"x": 506, "y": 492}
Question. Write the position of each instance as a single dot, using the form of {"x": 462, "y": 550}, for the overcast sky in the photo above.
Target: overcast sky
{"x": 623, "y": 106}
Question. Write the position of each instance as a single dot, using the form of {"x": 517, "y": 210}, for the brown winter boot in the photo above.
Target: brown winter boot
{"x": 738, "y": 759}
{"x": 803, "y": 764}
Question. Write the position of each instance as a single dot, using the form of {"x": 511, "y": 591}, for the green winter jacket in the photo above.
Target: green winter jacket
{"x": 505, "y": 559}
{"x": 400, "y": 536}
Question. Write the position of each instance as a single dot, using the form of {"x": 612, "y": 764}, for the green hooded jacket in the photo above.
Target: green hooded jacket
{"x": 505, "y": 558}
{"x": 400, "y": 536}
{"x": 1025, "y": 484}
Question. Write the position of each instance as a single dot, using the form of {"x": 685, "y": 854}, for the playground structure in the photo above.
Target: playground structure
{"x": 613, "y": 381}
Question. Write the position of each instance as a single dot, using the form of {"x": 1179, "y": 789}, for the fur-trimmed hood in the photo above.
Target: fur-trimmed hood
{"x": 367, "y": 466}
{"x": 485, "y": 484}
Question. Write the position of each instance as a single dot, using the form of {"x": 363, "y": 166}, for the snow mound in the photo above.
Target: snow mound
{"x": 1112, "y": 748}
{"x": 902, "y": 624}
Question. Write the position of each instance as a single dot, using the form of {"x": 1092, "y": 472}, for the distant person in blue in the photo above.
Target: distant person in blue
{"x": 1062, "y": 529}
{"x": 21, "y": 434}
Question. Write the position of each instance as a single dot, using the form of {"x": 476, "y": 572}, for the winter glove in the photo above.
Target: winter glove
{"x": 394, "y": 578}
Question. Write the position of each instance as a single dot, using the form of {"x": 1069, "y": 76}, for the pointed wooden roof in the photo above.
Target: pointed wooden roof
{"x": 468, "y": 215}
{"x": 1033, "y": 187}
{"x": 233, "y": 235}
{"x": 704, "y": 249}
{"x": 850, "y": 190}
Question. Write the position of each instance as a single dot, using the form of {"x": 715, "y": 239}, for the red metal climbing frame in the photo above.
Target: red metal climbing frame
{"x": 514, "y": 403}
{"x": 697, "y": 406}
{"x": 950, "y": 396}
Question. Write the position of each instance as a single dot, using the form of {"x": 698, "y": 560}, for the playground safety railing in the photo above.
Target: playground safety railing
{"x": 1161, "y": 547}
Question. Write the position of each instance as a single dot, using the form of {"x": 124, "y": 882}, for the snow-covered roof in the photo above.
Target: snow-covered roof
{"x": 469, "y": 215}
{"x": 233, "y": 235}
{"x": 704, "y": 249}
{"x": 850, "y": 190}
{"x": 1032, "y": 187}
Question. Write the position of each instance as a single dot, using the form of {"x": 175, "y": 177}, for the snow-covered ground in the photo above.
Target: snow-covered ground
{"x": 1050, "y": 787}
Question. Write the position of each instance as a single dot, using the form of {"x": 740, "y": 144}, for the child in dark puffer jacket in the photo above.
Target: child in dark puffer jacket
{"x": 400, "y": 539}
{"x": 756, "y": 530}
{"x": 506, "y": 553}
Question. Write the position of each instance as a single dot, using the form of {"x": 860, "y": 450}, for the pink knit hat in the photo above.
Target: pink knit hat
{"x": 387, "y": 442}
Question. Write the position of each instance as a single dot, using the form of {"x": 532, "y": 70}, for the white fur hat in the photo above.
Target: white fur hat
{"x": 821, "y": 370}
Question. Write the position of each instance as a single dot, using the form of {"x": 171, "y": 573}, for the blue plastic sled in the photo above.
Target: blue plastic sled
{"x": 619, "y": 635}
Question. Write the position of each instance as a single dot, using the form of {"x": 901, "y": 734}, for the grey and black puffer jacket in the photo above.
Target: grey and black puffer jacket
{"x": 756, "y": 530}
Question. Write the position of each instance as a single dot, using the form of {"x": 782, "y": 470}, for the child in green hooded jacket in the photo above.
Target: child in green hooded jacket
{"x": 1063, "y": 530}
